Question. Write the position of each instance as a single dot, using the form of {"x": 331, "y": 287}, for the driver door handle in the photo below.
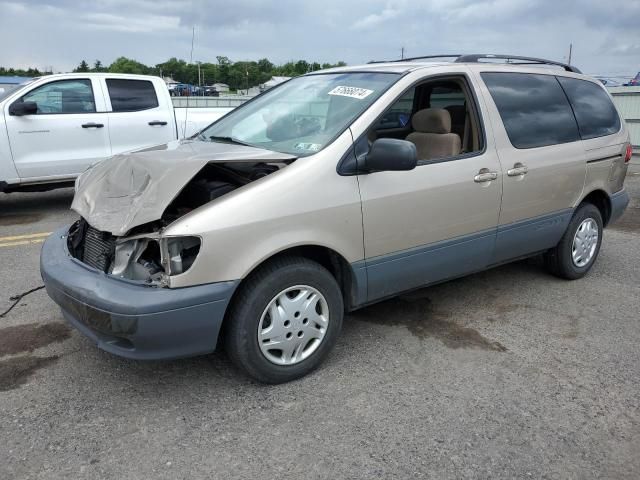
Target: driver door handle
{"x": 92, "y": 125}
{"x": 484, "y": 175}
{"x": 157, "y": 122}
{"x": 518, "y": 170}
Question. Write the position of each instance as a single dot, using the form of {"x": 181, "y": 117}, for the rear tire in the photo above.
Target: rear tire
{"x": 578, "y": 248}
{"x": 293, "y": 303}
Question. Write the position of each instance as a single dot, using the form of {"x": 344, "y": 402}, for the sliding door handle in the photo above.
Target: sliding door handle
{"x": 484, "y": 175}
{"x": 92, "y": 125}
{"x": 157, "y": 122}
{"x": 518, "y": 170}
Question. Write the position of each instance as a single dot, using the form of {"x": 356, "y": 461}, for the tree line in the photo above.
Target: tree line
{"x": 237, "y": 75}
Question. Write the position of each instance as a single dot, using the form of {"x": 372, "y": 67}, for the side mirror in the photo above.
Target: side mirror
{"x": 390, "y": 154}
{"x": 23, "y": 108}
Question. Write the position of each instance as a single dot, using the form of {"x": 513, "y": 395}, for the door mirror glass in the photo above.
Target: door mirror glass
{"x": 390, "y": 154}
{"x": 23, "y": 108}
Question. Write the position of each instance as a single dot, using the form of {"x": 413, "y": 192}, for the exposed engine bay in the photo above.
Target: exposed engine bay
{"x": 213, "y": 181}
{"x": 142, "y": 254}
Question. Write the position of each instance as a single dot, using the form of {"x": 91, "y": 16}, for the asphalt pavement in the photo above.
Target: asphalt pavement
{"x": 510, "y": 373}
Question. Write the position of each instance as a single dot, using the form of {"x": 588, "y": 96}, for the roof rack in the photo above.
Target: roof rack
{"x": 410, "y": 59}
{"x": 475, "y": 58}
{"x": 518, "y": 60}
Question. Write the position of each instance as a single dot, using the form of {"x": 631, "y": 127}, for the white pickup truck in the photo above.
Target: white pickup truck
{"x": 54, "y": 127}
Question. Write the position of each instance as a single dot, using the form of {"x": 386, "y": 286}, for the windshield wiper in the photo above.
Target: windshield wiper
{"x": 235, "y": 141}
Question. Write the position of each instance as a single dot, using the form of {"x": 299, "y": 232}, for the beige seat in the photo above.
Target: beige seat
{"x": 432, "y": 136}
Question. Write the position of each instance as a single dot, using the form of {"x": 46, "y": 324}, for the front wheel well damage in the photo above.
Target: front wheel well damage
{"x": 601, "y": 201}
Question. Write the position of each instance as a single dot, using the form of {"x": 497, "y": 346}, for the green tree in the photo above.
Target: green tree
{"x": 223, "y": 69}
{"x": 83, "y": 67}
{"x": 173, "y": 68}
{"x": 301, "y": 67}
{"x": 265, "y": 66}
{"x": 128, "y": 65}
{"x": 238, "y": 75}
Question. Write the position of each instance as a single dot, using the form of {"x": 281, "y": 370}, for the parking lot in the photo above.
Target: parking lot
{"x": 510, "y": 373}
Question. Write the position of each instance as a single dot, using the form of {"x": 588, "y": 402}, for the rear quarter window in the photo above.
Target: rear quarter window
{"x": 594, "y": 110}
{"x": 131, "y": 95}
{"x": 534, "y": 109}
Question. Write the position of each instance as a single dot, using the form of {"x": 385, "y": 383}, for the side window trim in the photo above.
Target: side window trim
{"x": 93, "y": 95}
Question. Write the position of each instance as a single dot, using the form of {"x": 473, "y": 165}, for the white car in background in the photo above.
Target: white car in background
{"x": 54, "y": 127}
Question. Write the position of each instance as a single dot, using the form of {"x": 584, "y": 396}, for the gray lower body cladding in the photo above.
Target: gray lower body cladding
{"x": 619, "y": 202}
{"x": 128, "y": 318}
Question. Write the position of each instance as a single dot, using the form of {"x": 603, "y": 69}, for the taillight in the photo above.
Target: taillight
{"x": 627, "y": 156}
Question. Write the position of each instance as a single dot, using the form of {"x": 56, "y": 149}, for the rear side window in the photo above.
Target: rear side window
{"x": 131, "y": 95}
{"x": 534, "y": 109}
{"x": 593, "y": 108}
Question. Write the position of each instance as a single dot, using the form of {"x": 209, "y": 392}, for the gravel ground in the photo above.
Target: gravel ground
{"x": 510, "y": 373}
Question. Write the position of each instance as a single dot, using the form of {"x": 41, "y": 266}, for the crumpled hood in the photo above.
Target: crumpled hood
{"x": 132, "y": 189}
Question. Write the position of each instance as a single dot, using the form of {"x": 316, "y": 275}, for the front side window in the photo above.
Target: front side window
{"x": 399, "y": 115}
{"x": 533, "y": 107}
{"x": 442, "y": 120}
{"x": 131, "y": 95}
{"x": 63, "y": 96}
{"x": 593, "y": 108}
{"x": 302, "y": 116}
{"x": 443, "y": 97}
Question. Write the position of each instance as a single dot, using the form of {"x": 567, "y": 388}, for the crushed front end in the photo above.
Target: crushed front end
{"x": 144, "y": 257}
{"x": 131, "y": 317}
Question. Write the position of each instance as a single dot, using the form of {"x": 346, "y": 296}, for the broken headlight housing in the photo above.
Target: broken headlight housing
{"x": 154, "y": 259}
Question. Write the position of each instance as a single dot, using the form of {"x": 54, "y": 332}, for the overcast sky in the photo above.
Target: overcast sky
{"x": 60, "y": 33}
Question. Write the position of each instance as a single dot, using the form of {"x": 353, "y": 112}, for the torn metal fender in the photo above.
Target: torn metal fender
{"x": 132, "y": 189}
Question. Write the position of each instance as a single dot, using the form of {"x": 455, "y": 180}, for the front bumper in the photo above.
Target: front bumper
{"x": 128, "y": 318}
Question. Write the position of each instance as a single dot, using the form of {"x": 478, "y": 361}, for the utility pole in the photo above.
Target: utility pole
{"x": 402, "y": 53}
{"x": 193, "y": 35}
{"x": 570, "y": 51}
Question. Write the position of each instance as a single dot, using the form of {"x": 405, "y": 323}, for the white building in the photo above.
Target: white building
{"x": 221, "y": 87}
{"x": 273, "y": 82}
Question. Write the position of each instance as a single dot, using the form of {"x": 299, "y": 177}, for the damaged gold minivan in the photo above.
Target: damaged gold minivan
{"x": 332, "y": 191}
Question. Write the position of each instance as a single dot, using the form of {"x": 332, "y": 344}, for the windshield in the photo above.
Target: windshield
{"x": 303, "y": 115}
{"x": 6, "y": 90}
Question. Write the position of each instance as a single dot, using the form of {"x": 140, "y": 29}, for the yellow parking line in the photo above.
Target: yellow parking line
{"x": 24, "y": 242}
{"x": 28, "y": 239}
{"x": 24, "y": 237}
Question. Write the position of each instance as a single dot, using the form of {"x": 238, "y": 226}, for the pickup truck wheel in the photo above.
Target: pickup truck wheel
{"x": 578, "y": 249}
{"x": 284, "y": 320}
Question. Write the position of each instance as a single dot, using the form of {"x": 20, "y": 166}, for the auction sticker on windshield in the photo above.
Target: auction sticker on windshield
{"x": 353, "y": 92}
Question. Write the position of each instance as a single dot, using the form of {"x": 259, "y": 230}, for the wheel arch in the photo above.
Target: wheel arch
{"x": 600, "y": 199}
{"x": 351, "y": 278}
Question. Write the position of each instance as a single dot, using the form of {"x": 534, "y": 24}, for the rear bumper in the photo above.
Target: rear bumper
{"x": 619, "y": 202}
{"x": 130, "y": 319}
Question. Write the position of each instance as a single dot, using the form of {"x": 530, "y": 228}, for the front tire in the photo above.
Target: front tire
{"x": 284, "y": 320}
{"x": 578, "y": 249}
